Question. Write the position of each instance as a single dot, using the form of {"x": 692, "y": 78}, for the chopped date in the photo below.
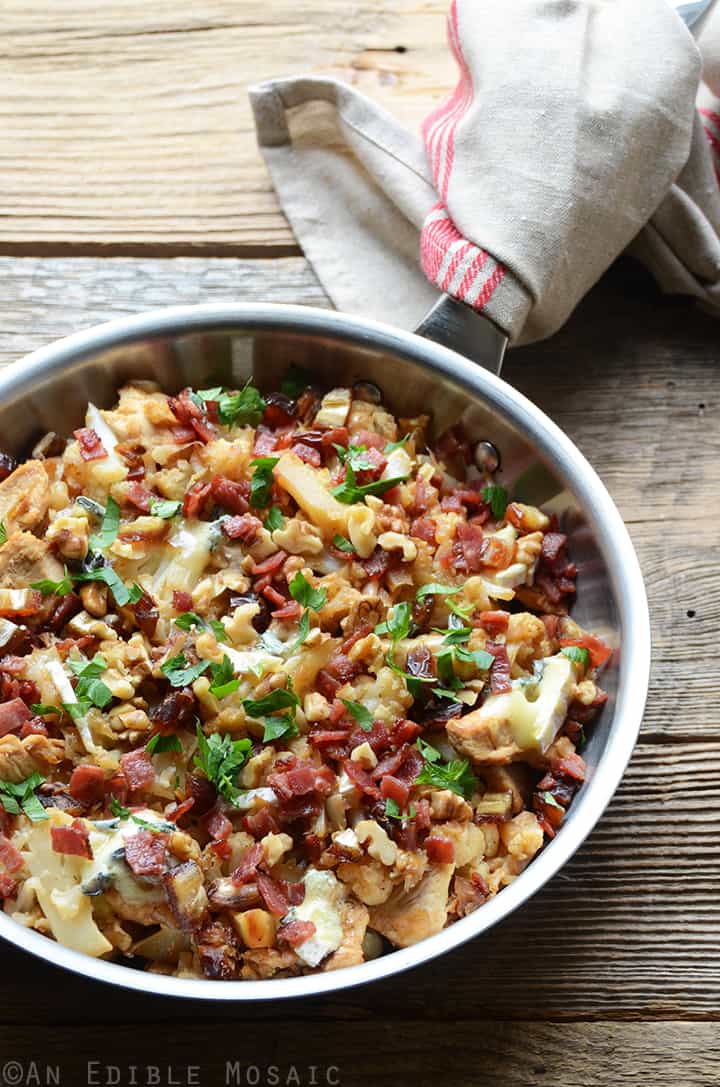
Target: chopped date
{"x": 230, "y": 495}
{"x": 176, "y": 711}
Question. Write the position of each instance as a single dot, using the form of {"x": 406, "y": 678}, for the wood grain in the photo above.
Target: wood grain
{"x": 127, "y": 127}
{"x": 353, "y": 1055}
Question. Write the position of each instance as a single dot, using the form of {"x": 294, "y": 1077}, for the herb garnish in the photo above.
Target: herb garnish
{"x": 159, "y": 743}
{"x": 109, "y": 527}
{"x": 496, "y": 498}
{"x": 274, "y": 519}
{"x": 455, "y": 775}
{"x": 17, "y": 798}
{"x": 54, "y": 588}
{"x": 577, "y": 655}
{"x": 359, "y": 713}
{"x": 302, "y": 591}
{"x": 220, "y": 758}
{"x": 180, "y": 673}
{"x": 244, "y": 408}
{"x": 165, "y": 508}
{"x": 349, "y": 491}
{"x": 262, "y": 480}
{"x": 343, "y": 545}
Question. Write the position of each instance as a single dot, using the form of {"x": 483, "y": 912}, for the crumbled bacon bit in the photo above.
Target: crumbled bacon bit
{"x": 232, "y": 496}
{"x": 261, "y": 823}
{"x": 307, "y": 454}
{"x": 270, "y": 565}
{"x": 138, "y": 769}
{"x": 218, "y": 825}
{"x": 377, "y": 564}
{"x": 494, "y": 622}
{"x": 146, "y": 853}
{"x": 196, "y": 499}
{"x": 139, "y": 496}
{"x": 500, "y": 669}
{"x": 91, "y": 446}
{"x": 294, "y": 933}
{"x": 10, "y": 857}
{"x": 599, "y": 652}
{"x": 181, "y": 601}
{"x": 394, "y": 789}
{"x": 361, "y": 779}
{"x": 244, "y": 528}
{"x": 423, "y": 528}
{"x": 301, "y": 778}
{"x": 289, "y": 612}
{"x": 440, "y": 850}
{"x": 265, "y": 442}
{"x": 87, "y": 784}
{"x": 190, "y": 414}
{"x": 13, "y": 715}
{"x": 273, "y": 894}
{"x": 73, "y": 840}
{"x": 174, "y": 815}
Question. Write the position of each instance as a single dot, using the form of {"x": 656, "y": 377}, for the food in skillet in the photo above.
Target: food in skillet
{"x": 281, "y": 684}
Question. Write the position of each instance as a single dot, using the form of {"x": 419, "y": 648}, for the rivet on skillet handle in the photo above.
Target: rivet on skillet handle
{"x": 462, "y": 329}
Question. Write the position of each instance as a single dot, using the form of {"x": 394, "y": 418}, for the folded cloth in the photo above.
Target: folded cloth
{"x": 572, "y": 126}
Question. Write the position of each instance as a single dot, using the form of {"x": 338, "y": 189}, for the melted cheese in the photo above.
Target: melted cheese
{"x": 534, "y": 721}
{"x": 187, "y": 554}
{"x": 323, "y": 895}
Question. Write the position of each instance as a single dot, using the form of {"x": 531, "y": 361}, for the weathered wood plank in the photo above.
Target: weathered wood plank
{"x": 474, "y": 1054}
{"x": 629, "y": 927}
{"x": 128, "y": 125}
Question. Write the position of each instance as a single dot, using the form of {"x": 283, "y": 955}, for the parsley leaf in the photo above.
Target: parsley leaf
{"x": 3, "y": 533}
{"x": 397, "y": 625}
{"x": 54, "y": 588}
{"x": 20, "y": 797}
{"x": 189, "y": 619}
{"x": 302, "y": 591}
{"x": 496, "y": 498}
{"x": 359, "y": 713}
{"x": 42, "y": 709}
{"x": 279, "y": 699}
{"x": 274, "y": 519}
{"x": 576, "y": 654}
{"x": 180, "y": 673}
{"x": 90, "y": 689}
{"x": 343, "y": 545}
{"x": 295, "y": 382}
{"x": 275, "y": 727}
{"x": 551, "y": 801}
{"x": 483, "y": 661}
{"x": 434, "y": 588}
{"x": 394, "y": 811}
{"x": 109, "y": 527}
{"x": 392, "y": 446}
{"x": 354, "y": 456}
{"x": 121, "y": 593}
{"x": 445, "y": 692}
{"x": 159, "y": 743}
{"x": 303, "y": 631}
{"x": 164, "y": 508}
{"x": 223, "y": 681}
{"x": 262, "y": 480}
{"x": 455, "y": 635}
{"x": 455, "y": 775}
{"x": 220, "y": 758}
{"x": 117, "y": 809}
{"x": 349, "y": 491}
{"x": 77, "y": 710}
{"x": 241, "y": 409}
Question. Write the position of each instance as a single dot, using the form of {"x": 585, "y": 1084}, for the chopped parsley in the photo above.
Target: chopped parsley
{"x": 392, "y": 446}
{"x": 109, "y": 527}
{"x": 550, "y": 800}
{"x": 397, "y": 625}
{"x": 394, "y": 811}
{"x": 261, "y": 480}
{"x": 455, "y": 775}
{"x": 159, "y": 743}
{"x": 117, "y": 809}
{"x": 343, "y": 545}
{"x": 220, "y": 758}
{"x": 359, "y": 713}
{"x": 165, "y": 508}
{"x": 434, "y": 588}
{"x": 275, "y": 727}
{"x": 302, "y": 591}
{"x": 280, "y": 699}
{"x": 42, "y": 709}
{"x": 17, "y": 798}
{"x": 189, "y": 619}
{"x": 496, "y": 498}
{"x": 274, "y": 519}
{"x": 354, "y": 456}
{"x": 295, "y": 382}
{"x": 483, "y": 661}
{"x": 3, "y": 534}
{"x": 349, "y": 491}
{"x": 54, "y": 588}
{"x": 223, "y": 678}
{"x": 90, "y": 689}
{"x": 121, "y": 593}
{"x": 244, "y": 408}
{"x": 119, "y": 812}
{"x": 180, "y": 673}
{"x": 577, "y": 655}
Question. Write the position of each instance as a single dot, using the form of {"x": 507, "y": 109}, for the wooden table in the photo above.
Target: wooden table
{"x": 130, "y": 180}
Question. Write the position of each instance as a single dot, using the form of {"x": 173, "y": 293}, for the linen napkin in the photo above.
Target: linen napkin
{"x": 572, "y": 134}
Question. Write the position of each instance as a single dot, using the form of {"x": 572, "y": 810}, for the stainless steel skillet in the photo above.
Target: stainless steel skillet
{"x": 197, "y": 345}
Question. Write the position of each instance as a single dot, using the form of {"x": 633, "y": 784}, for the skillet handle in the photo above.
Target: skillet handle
{"x": 455, "y": 325}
